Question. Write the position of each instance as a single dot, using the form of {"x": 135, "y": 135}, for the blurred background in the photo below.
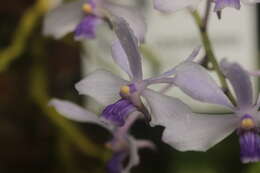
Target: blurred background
{"x": 35, "y": 68}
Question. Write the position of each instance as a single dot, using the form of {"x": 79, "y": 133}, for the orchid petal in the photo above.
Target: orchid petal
{"x": 185, "y": 130}
{"x": 240, "y": 81}
{"x": 133, "y": 154}
{"x": 194, "y": 53}
{"x": 102, "y": 86}
{"x": 129, "y": 43}
{"x": 132, "y": 15}
{"x": 168, "y": 6}
{"x": 121, "y": 58}
{"x": 76, "y": 113}
{"x": 145, "y": 144}
{"x": 195, "y": 81}
{"x": 63, "y": 19}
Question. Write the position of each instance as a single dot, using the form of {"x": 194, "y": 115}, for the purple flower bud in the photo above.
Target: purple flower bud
{"x": 118, "y": 112}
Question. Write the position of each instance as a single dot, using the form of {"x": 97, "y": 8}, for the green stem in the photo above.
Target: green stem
{"x": 40, "y": 95}
{"x": 24, "y": 30}
{"x": 209, "y": 51}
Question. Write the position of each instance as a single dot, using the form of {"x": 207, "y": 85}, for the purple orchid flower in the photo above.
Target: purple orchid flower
{"x": 168, "y": 6}
{"x": 83, "y": 17}
{"x": 185, "y": 130}
{"x": 122, "y": 144}
{"x": 126, "y": 96}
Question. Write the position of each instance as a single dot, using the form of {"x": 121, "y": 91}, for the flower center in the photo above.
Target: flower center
{"x": 247, "y": 122}
{"x": 127, "y": 90}
{"x": 87, "y": 8}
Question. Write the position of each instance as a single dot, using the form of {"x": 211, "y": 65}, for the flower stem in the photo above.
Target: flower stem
{"x": 202, "y": 25}
{"x": 206, "y": 16}
{"x": 27, "y": 24}
{"x": 74, "y": 134}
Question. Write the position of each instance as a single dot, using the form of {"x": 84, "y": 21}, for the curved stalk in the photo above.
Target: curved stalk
{"x": 202, "y": 25}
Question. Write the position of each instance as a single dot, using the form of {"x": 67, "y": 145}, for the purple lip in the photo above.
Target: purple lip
{"x": 118, "y": 112}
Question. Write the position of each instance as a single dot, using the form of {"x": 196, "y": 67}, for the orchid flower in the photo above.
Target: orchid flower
{"x": 174, "y": 5}
{"x": 122, "y": 144}
{"x": 185, "y": 130}
{"x": 126, "y": 96}
{"x": 83, "y": 16}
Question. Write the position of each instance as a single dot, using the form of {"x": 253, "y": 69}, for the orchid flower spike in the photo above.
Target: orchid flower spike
{"x": 83, "y": 16}
{"x": 186, "y": 131}
{"x": 123, "y": 145}
{"x": 168, "y": 6}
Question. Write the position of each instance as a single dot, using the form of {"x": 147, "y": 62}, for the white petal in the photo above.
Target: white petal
{"x": 184, "y": 130}
{"x": 145, "y": 144}
{"x": 133, "y": 154}
{"x": 240, "y": 81}
{"x": 76, "y": 113}
{"x": 102, "y": 86}
{"x": 129, "y": 43}
{"x": 195, "y": 81}
{"x": 63, "y": 19}
{"x": 168, "y": 6}
{"x": 120, "y": 57}
{"x": 132, "y": 15}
